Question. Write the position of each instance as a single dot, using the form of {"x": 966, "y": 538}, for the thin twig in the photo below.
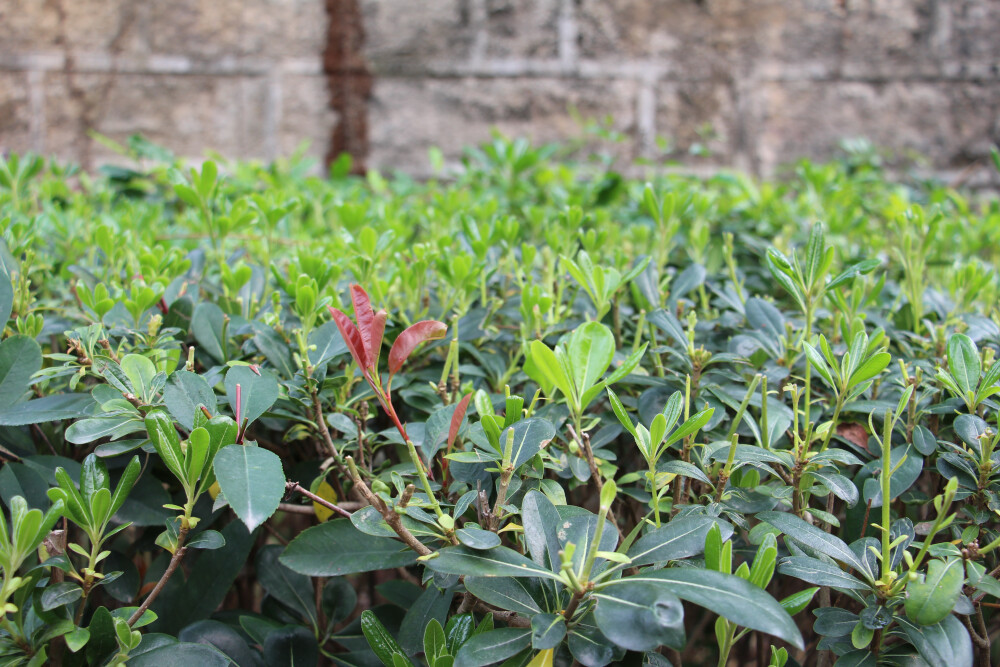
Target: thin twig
{"x": 509, "y": 617}
{"x": 391, "y": 517}
{"x": 175, "y": 562}
{"x": 298, "y": 488}
{"x": 584, "y": 439}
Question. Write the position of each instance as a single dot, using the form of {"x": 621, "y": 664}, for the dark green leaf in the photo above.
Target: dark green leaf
{"x": 547, "y": 631}
{"x": 337, "y": 547}
{"x": 291, "y": 646}
{"x": 681, "y": 538}
{"x": 183, "y": 393}
{"x": 20, "y": 358}
{"x": 491, "y": 647}
{"x": 640, "y": 616}
{"x": 291, "y": 588}
{"x": 258, "y": 391}
{"x": 730, "y": 596}
{"x": 252, "y": 480}
{"x": 498, "y": 562}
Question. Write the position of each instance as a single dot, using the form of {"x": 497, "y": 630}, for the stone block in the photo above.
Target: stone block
{"x": 711, "y": 39}
{"x": 408, "y": 116}
{"x": 522, "y": 28}
{"x": 305, "y": 115}
{"x": 208, "y": 30}
{"x": 703, "y": 114}
{"x": 15, "y": 113}
{"x": 187, "y": 114}
{"x": 28, "y": 25}
{"x": 972, "y": 33}
{"x": 951, "y": 123}
{"x": 402, "y": 36}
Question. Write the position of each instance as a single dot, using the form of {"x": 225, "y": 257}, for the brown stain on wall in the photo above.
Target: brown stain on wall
{"x": 349, "y": 81}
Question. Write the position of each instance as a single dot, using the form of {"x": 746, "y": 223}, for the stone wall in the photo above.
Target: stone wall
{"x": 751, "y": 83}
{"x": 755, "y": 82}
{"x": 241, "y": 77}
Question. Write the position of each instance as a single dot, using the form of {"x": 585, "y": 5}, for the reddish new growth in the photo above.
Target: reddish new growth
{"x": 364, "y": 341}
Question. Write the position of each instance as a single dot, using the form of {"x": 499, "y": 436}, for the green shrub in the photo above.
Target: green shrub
{"x": 614, "y": 416}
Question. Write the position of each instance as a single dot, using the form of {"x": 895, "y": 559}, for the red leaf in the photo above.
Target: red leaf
{"x": 378, "y": 331}
{"x": 414, "y": 335}
{"x": 365, "y": 316}
{"x": 456, "y": 419}
{"x": 351, "y": 336}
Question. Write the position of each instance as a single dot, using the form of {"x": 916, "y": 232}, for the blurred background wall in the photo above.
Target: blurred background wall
{"x": 749, "y": 83}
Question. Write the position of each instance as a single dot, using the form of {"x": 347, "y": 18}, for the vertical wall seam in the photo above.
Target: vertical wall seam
{"x": 349, "y": 81}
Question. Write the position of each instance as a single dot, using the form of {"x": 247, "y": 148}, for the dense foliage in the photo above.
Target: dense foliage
{"x": 617, "y": 421}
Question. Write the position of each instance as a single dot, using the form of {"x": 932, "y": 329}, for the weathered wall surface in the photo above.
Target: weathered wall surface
{"x": 775, "y": 79}
{"x": 242, "y": 77}
{"x": 771, "y": 79}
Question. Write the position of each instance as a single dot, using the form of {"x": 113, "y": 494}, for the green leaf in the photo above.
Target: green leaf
{"x": 640, "y": 615}
{"x": 872, "y": 367}
{"x": 477, "y": 538}
{"x": 620, "y": 412}
{"x": 252, "y": 480}
{"x": 591, "y": 348}
{"x": 183, "y": 393}
{"x": 681, "y": 538}
{"x": 336, "y": 547}
{"x": 729, "y": 596}
{"x": 945, "y": 643}
{"x": 520, "y": 594}
{"x": 812, "y": 537}
{"x": 964, "y": 363}
{"x": 690, "y": 427}
{"x": 545, "y": 369}
{"x": 435, "y": 642}
{"x": 20, "y": 358}
{"x": 288, "y": 587}
{"x": 60, "y": 594}
{"x": 491, "y": 647}
{"x": 208, "y": 325}
{"x": 547, "y": 631}
{"x": 432, "y": 605}
{"x": 930, "y": 599}
{"x": 796, "y": 602}
{"x": 181, "y": 654}
{"x": 821, "y": 573}
{"x": 379, "y": 639}
{"x": 530, "y": 435}
{"x": 46, "y": 409}
{"x": 498, "y": 562}
{"x": 167, "y": 443}
{"x": 221, "y": 636}
{"x": 207, "y": 539}
{"x": 140, "y": 372}
{"x": 817, "y": 361}
{"x": 258, "y": 391}
{"x": 6, "y": 293}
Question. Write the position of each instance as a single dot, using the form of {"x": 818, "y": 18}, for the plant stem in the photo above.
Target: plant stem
{"x": 175, "y": 562}
{"x": 388, "y": 513}
{"x": 720, "y": 485}
{"x": 296, "y": 487}
{"x": 886, "y": 479}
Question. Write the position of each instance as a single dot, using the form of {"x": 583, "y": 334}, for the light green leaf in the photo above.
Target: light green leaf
{"x": 930, "y": 599}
